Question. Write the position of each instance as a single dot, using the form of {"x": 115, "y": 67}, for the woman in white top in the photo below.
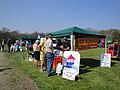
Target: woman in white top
{"x": 36, "y": 49}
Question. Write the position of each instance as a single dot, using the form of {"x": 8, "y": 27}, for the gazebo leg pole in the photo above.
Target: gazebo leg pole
{"x": 72, "y": 42}
{"x": 105, "y": 45}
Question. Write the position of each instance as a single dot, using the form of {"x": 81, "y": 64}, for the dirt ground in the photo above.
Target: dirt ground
{"x": 13, "y": 78}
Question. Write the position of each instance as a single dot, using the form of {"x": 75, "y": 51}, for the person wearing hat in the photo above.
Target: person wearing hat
{"x": 66, "y": 44}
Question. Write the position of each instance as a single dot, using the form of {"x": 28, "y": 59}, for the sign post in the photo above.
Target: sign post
{"x": 105, "y": 45}
{"x": 72, "y": 42}
{"x": 71, "y": 63}
{"x": 105, "y": 60}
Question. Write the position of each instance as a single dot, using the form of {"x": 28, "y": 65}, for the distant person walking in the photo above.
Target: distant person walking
{"x": 27, "y": 44}
{"x": 0, "y": 46}
{"x": 3, "y": 43}
{"x": 9, "y": 44}
{"x": 49, "y": 53}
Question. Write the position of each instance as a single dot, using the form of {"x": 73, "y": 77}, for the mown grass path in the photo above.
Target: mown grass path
{"x": 12, "y": 77}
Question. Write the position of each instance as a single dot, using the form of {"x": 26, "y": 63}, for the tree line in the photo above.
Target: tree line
{"x": 7, "y": 33}
{"x": 112, "y": 33}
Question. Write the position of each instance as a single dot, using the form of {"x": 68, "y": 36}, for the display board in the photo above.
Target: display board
{"x": 105, "y": 60}
{"x": 71, "y": 64}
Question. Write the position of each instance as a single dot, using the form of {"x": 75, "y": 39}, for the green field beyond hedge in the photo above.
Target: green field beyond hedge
{"x": 92, "y": 76}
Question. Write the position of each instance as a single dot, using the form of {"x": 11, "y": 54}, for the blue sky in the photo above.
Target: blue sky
{"x": 52, "y": 15}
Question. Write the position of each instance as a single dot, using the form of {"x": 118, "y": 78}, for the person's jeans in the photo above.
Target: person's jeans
{"x": 50, "y": 59}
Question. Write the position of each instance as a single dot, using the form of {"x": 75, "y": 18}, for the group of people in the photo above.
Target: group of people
{"x": 44, "y": 51}
{"x": 63, "y": 46}
{"x": 11, "y": 46}
{"x": 2, "y": 44}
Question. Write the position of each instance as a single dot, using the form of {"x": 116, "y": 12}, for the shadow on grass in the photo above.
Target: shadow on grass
{"x": 82, "y": 71}
{"x": 91, "y": 63}
{"x": 1, "y": 70}
{"x": 87, "y": 63}
{"x": 115, "y": 61}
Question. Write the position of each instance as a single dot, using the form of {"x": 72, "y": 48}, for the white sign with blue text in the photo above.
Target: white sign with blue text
{"x": 71, "y": 63}
{"x": 105, "y": 60}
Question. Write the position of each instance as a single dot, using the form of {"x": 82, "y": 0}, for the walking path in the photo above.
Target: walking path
{"x": 12, "y": 78}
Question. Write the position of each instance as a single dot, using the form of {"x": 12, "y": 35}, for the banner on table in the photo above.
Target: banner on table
{"x": 105, "y": 60}
{"x": 59, "y": 68}
{"x": 71, "y": 63}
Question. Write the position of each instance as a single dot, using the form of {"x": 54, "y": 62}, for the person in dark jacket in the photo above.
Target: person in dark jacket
{"x": 66, "y": 44}
{"x": 9, "y": 44}
{"x": 59, "y": 45}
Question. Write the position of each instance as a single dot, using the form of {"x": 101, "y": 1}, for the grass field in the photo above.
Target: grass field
{"x": 92, "y": 76}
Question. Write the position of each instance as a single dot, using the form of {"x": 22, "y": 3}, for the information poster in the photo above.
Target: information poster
{"x": 105, "y": 60}
{"x": 71, "y": 63}
{"x": 59, "y": 68}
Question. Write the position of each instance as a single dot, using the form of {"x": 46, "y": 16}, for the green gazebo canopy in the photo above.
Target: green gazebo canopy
{"x": 77, "y": 32}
